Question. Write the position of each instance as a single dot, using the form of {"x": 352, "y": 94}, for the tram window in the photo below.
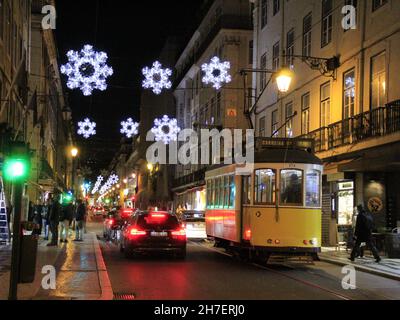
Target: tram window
{"x": 264, "y": 192}
{"x": 212, "y": 200}
{"x": 313, "y": 187}
{"x": 292, "y": 187}
{"x": 226, "y": 187}
{"x": 209, "y": 193}
{"x": 246, "y": 190}
{"x": 232, "y": 192}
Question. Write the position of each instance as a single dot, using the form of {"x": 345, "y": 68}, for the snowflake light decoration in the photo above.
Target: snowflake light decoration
{"x": 87, "y": 128}
{"x": 157, "y": 78}
{"x": 113, "y": 179}
{"x": 129, "y": 128}
{"x": 216, "y": 72}
{"x": 87, "y": 70}
{"x": 97, "y": 185}
{"x": 165, "y": 129}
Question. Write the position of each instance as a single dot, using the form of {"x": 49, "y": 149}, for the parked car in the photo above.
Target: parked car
{"x": 195, "y": 224}
{"x": 149, "y": 232}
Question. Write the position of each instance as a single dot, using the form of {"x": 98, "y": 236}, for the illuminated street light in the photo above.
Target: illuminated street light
{"x": 74, "y": 152}
{"x": 284, "y": 79}
{"x": 150, "y": 167}
{"x": 16, "y": 169}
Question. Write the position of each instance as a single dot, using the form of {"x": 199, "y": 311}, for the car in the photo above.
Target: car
{"x": 98, "y": 211}
{"x": 195, "y": 224}
{"x": 154, "y": 231}
{"x": 114, "y": 221}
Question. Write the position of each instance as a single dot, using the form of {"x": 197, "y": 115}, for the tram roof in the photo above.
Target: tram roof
{"x": 281, "y": 155}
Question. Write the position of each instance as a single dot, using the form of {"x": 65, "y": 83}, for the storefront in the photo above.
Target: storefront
{"x": 192, "y": 199}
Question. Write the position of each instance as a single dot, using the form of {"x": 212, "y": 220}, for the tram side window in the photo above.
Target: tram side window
{"x": 226, "y": 187}
{"x": 209, "y": 193}
{"x": 232, "y": 193}
{"x": 246, "y": 190}
{"x": 313, "y": 187}
{"x": 264, "y": 187}
{"x": 291, "y": 187}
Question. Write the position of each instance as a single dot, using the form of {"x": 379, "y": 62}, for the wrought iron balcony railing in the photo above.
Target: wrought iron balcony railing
{"x": 371, "y": 124}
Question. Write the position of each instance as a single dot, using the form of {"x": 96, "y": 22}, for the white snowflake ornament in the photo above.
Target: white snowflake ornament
{"x": 166, "y": 129}
{"x": 216, "y": 73}
{"x": 157, "y": 78}
{"x": 87, "y": 70}
{"x": 87, "y": 128}
{"x": 129, "y": 128}
{"x": 97, "y": 185}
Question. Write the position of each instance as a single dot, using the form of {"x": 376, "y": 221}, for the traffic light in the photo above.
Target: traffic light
{"x": 16, "y": 169}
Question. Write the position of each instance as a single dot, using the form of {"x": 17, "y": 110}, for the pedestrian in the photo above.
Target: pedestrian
{"x": 9, "y": 210}
{"x": 363, "y": 233}
{"x": 54, "y": 219}
{"x": 37, "y": 217}
{"x": 45, "y": 219}
{"x": 65, "y": 220}
{"x": 80, "y": 215}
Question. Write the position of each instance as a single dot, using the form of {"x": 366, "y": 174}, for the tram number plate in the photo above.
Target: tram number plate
{"x": 159, "y": 234}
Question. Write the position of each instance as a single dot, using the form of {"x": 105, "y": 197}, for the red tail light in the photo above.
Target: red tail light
{"x": 247, "y": 234}
{"x": 158, "y": 216}
{"x": 136, "y": 233}
{"x": 179, "y": 234}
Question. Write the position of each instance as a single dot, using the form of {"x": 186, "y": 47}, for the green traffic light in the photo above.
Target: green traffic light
{"x": 15, "y": 169}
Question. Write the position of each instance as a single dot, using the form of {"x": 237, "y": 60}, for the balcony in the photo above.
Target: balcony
{"x": 377, "y": 123}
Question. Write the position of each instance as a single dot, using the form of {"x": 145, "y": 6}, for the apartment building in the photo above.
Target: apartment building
{"x": 344, "y": 94}
{"x": 224, "y": 32}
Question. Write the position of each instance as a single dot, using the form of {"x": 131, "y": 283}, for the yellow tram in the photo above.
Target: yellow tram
{"x": 274, "y": 213}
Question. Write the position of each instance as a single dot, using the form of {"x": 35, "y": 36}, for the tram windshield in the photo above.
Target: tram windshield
{"x": 291, "y": 193}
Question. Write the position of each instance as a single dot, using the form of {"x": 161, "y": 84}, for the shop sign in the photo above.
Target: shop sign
{"x": 375, "y": 205}
{"x": 335, "y": 177}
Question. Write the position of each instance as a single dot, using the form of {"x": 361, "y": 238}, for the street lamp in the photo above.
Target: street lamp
{"x": 74, "y": 152}
{"x": 150, "y": 167}
{"x": 283, "y": 79}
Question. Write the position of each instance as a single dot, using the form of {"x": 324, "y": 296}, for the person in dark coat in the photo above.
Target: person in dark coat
{"x": 67, "y": 213}
{"x": 37, "y": 217}
{"x": 80, "y": 216}
{"x": 363, "y": 233}
{"x": 54, "y": 219}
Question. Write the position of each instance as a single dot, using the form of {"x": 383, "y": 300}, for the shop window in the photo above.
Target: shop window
{"x": 313, "y": 187}
{"x": 246, "y": 190}
{"x": 264, "y": 187}
{"x": 291, "y": 187}
{"x": 345, "y": 203}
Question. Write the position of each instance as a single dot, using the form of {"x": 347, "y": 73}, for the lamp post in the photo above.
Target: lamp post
{"x": 74, "y": 154}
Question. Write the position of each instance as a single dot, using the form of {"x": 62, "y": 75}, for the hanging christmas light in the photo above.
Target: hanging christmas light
{"x": 165, "y": 129}
{"x": 157, "y": 78}
{"x": 87, "y": 128}
{"x": 129, "y": 128}
{"x": 216, "y": 72}
{"x": 87, "y": 70}
{"x": 113, "y": 179}
{"x": 98, "y": 184}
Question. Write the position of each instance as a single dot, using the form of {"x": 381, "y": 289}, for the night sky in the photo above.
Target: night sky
{"x": 132, "y": 33}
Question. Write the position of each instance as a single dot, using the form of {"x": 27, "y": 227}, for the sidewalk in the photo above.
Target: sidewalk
{"x": 81, "y": 272}
{"x": 388, "y": 268}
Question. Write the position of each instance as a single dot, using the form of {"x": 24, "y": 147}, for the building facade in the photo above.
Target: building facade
{"x": 351, "y": 110}
{"x": 33, "y": 108}
{"x": 224, "y": 32}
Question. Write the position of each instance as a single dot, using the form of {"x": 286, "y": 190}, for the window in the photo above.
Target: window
{"x": 262, "y": 127}
{"x": 291, "y": 187}
{"x": 264, "y": 186}
{"x": 264, "y": 13}
{"x": 290, "y": 47}
{"x": 275, "y": 56}
{"x": 313, "y": 187}
{"x": 289, "y": 120}
{"x": 307, "y": 25}
{"x": 376, "y": 4}
{"x": 227, "y": 192}
{"x": 263, "y": 75}
{"x": 349, "y": 94}
{"x": 251, "y": 51}
{"x": 246, "y": 190}
{"x": 305, "y": 114}
{"x": 326, "y": 104}
{"x": 276, "y": 6}
{"x": 327, "y": 19}
{"x": 232, "y": 193}
{"x": 209, "y": 193}
{"x": 217, "y": 187}
{"x": 275, "y": 122}
{"x": 378, "y": 81}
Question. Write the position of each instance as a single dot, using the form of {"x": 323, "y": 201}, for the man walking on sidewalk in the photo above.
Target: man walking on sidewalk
{"x": 79, "y": 219}
{"x": 54, "y": 216}
{"x": 363, "y": 233}
{"x": 65, "y": 220}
